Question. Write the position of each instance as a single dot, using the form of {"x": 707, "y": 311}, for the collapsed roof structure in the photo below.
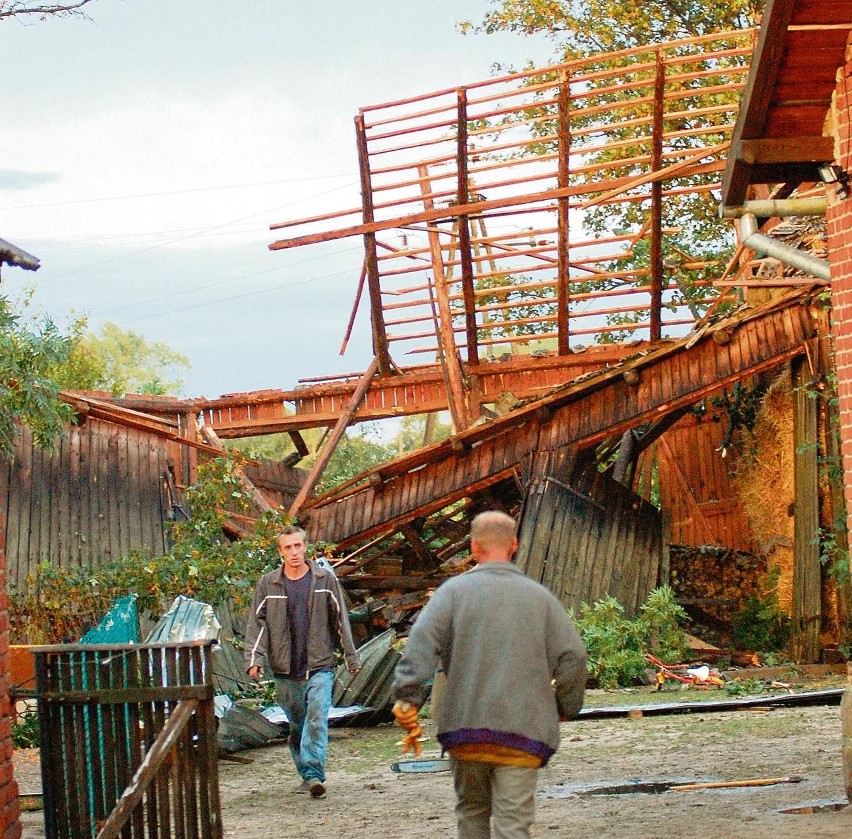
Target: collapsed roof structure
{"x": 545, "y": 247}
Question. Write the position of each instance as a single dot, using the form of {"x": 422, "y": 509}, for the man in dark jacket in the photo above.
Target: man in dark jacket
{"x": 297, "y": 620}
{"x": 514, "y": 667}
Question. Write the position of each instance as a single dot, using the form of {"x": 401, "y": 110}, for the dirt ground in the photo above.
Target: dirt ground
{"x": 369, "y": 801}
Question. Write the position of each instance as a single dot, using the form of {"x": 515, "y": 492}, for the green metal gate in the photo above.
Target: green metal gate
{"x": 128, "y": 741}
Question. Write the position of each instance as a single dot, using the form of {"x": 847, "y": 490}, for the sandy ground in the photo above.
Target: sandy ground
{"x": 369, "y": 801}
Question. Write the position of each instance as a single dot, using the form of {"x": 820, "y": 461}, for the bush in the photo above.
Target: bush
{"x": 25, "y": 734}
{"x": 760, "y": 625}
{"x": 617, "y": 645}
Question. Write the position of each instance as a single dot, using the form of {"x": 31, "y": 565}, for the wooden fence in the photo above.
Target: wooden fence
{"x": 128, "y": 741}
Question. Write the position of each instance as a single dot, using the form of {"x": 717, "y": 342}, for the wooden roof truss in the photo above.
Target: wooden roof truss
{"x": 474, "y": 200}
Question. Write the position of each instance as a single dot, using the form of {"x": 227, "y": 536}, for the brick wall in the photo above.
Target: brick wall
{"x": 10, "y": 825}
{"x": 839, "y": 224}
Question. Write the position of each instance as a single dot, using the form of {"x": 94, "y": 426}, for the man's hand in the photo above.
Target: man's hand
{"x": 406, "y": 717}
{"x": 255, "y": 673}
{"x": 354, "y": 670}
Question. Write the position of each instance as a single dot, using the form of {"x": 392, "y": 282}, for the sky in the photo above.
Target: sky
{"x": 145, "y": 153}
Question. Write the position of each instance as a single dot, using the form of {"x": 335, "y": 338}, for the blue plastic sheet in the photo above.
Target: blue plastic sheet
{"x": 120, "y": 625}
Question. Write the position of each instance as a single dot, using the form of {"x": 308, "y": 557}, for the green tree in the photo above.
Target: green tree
{"x": 121, "y": 362}
{"x": 357, "y": 451}
{"x": 581, "y": 29}
{"x": 412, "y": 432}
{"x": 30, "y": 354}
{"x": 594, "y": 30}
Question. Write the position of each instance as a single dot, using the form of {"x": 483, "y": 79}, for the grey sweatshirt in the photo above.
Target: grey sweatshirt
{"x": 513, "y": 660}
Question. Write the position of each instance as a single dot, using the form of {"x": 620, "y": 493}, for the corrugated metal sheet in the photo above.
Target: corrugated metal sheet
{"x": 371, "y": 686}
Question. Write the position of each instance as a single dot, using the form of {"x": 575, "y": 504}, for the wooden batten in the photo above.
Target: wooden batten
{"x": 806, "y": 562}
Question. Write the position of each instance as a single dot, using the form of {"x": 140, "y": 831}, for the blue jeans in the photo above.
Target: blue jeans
{"x": 307, "y": 704}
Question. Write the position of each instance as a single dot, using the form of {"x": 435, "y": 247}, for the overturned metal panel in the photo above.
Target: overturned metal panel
{"x": 586, "y": 536}
{"x": 242, "y": 728}
{"x": 372, "y": 685}
{"x": 192, "y": 620}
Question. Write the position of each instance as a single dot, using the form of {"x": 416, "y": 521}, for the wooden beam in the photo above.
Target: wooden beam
{"x": 380, "y": 340}
{"x": 456, "y": 396}
{"x": 678, "y": 168}
{"x": 425, "y": 560}
{"x": 774, "y": 150}
{"x": 563, "y": 233}
{"x": 807, "y": 610}
{"x": 331, "y": 444}
{"x": 299, "y": 442}
{"x": 465, "y": 254}
{"x": 117, "y": 415}
{"x": 683, "y": 168}
{"x": 656, "y": 231}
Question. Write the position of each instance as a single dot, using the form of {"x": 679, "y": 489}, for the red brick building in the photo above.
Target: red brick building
{"x": 793, "y": 132}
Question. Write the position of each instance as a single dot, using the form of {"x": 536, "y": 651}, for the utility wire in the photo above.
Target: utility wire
{"x": 172, "y": 192}
{"x": 239, "y": 296}
{"x": 223, "y": 282}
{"x": 192, "y": 235}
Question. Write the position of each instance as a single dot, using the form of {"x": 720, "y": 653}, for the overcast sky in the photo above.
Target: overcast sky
{"x": 144, "y": 154}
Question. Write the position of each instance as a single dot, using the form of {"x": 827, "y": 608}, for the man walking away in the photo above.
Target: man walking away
{"x": 514, "y": 667}
{"x": 297, "y": 620}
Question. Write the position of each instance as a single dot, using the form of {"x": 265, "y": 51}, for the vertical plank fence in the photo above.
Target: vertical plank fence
{"x": 128, "y": 741}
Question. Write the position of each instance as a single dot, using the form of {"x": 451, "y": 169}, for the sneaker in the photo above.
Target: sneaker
{"x": 316, "y": 788}
{"x": 303, "y": 789}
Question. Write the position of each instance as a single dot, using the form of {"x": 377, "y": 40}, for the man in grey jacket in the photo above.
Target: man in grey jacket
{"x": 514, "y": 667}
{"x": 297, "y": 620}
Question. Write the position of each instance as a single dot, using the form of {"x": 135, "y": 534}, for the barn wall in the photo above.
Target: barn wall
{"x": 589, "y": 539}
{"x": 695, "y": 489}
{"x": 97, "y": 498}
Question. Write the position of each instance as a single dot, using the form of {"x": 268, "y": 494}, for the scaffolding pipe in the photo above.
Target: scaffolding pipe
{"x": 787, "y": 254}
{"x": 777, "y": 208}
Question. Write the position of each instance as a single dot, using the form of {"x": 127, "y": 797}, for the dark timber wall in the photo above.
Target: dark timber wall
{"x": 98, "y": 497}
{"x": 590, "y": 538}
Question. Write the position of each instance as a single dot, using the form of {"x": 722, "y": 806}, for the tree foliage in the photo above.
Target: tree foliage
{"x": 121, "y": 362}
{"x": 582, "y": 28}
{"x": 29, "y": 357}
{"x": 617, "y": 645}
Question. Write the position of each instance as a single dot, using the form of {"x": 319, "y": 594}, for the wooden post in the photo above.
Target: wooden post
{"x": 465, "y": 255}
{"x": 334, "y": 439}
{"x": 806, "y": 564}
{"x": 456, "y": 396}
{"x": 657, "y": 204}
{"x": 563, "y": 319}
{"x": 380, "y": 339}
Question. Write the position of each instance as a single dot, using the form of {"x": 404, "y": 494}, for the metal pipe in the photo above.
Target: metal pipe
{"x": 777, "y": 208}
{"x": 794, "y": 257}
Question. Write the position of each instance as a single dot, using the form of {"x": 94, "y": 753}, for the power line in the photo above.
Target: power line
{"x": 172, "y": 192}
{"x": 238, "y": 296}
{"x": 200, "y": 232}
{"x": 224, "y": 282}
